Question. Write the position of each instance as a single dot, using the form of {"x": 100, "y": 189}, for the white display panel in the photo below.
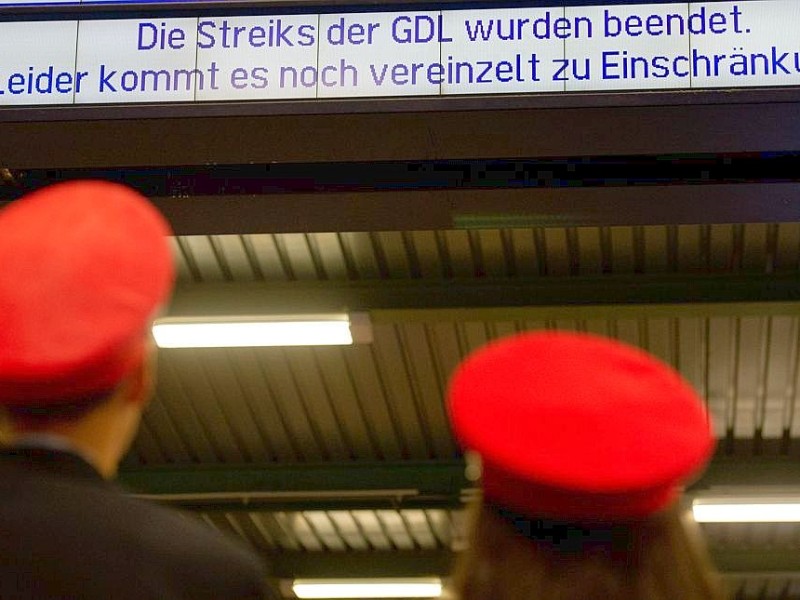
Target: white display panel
{"x": 258, "y": 58}
{"x": 389, "y": 54}
{"x": 558, "y": 49}
{"x": 35, "y": 73}
{"x": 502, "y": 51}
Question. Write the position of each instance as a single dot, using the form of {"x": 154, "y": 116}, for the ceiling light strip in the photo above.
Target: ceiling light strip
{"x": 368, "y": 588}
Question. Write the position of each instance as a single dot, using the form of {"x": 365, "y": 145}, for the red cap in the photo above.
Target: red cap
{"x": 578, "y": 427}
{"x": 85, "y": 266}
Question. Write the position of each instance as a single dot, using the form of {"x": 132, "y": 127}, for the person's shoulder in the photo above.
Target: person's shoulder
{"x": 185, "y": 545}
{"x": 165, "y": 553}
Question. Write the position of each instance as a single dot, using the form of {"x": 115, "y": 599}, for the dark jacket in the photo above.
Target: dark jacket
{"x": 67, "y": 533}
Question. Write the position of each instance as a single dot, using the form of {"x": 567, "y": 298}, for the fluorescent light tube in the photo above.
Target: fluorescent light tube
{"x": 300, "y": 330}
{"x": 751, "y": 511}
{"x": 368, "y": 588}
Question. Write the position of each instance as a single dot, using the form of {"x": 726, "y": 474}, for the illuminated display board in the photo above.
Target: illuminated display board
{"x": 562, "y": 49}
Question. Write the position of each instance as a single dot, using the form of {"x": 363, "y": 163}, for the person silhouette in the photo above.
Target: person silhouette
{"x": 86, "y": 266}
{"x": 584, "y": 444}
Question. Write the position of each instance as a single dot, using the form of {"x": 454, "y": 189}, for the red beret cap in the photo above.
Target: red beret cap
{"x": 85, "y": 266}
{"x": 578, "y": 427}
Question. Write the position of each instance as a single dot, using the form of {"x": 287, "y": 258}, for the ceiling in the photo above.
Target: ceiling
{"x": 674, "y": 226}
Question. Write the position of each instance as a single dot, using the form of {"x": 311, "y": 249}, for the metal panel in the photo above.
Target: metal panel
{"x": 754, "y": 247}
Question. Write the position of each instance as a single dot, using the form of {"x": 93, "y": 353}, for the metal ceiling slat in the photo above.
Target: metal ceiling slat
{"x": 145, "y": 449}
{"x": 718, "y": 345}
{"x": 738, "y": 247}
{"x": 396, "y": 529}
{"x": 599, "y": 327}
{"x": 754, "y": 251}
{"x": 412, "y": 258}
{"x": 400, "y": 392}
{"x": 590, "y": 259}
{"x": 419, "y": 528}
{"x": 200, "y": 252}
{"x": 493, "y": 253}
{"x": 656, "y": 247}
{"x": 792, "y": 373}
{"x": 266, "y": 540}
{"x": 443, "y": 252}
{"x": 689, "y": 350}
{"x": 304, "y": 533}
{"x": 720, "y": 247}
{"x": 241, "y": 523}
{"x": 231, "y": 385}
{"x": 525, "y": 258}
{"x": 211, "y": 409}
{"x": 393, "y": 244}
{"x": 184, "y": 270}
{"x": 164, "y": 432}
{"x": 441, "y": 526}
{"x": 659, "y": 338}
{"x": 220, "y": 521}
{"x": 265, "y": 251}
{"x": 509, "y": 253}
{"x": 540, "y": 254}
{"x": 362, "y": 369}
{"x": 349, "y": 530}
{"x": 325, "y": 530}
{"x": 328, "y": 251}
{"x": 474, "y": 334}
{"x": 732, "y": 387}
{"x": 316, "y": 256}
{"x": 772, "y": 248}
{"x": 449, "y": 353}
{"x": 623, "y": 249}
{"x": 291, "y": 405}
{"x": 459, "y": 253}
{"x": 606, "y": 251}
{"x": 318, "y": 402}
{"x": 714, "y": 248}
{"x": 788, "y": 253}
{"x": 673, "y": 253}
{"x": 182, "y": 411}
{"x": 639, "y": 251}
{"x": 380, "y": 256}
{"x": 573, "y": 251}
{"x": 746, "y": 363}
{"x": 555, "y": 238}
{"x": 277, "y": 524}
{"x": 251, "y": 255}
{"x": 224, "y": 248}
{"x": 427, "y": 254}
{"x": 421, "y": 361}
{"x": 268, "y": 417}
{"x": 295, "y": 253}
{"x": 674, "y": 327}
{"x": 627, "y": 330}
{"x": 498, "y": 329}
{"x": 476, "y": 251}
{"x": 686, "y": 240}
{"x": 244, "y": 377}
{"x": 351, "y": 418}
{"x": 771, "y": 376}
{"x": 359, "y": 247}
{"x": 373, "y": 529}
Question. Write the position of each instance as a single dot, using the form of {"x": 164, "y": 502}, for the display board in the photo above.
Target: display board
{"x": 561, "y": 49}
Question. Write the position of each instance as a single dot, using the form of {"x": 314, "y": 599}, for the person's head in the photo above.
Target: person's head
{"x": 86, "y": 266}
{"x": 584, "y": 444}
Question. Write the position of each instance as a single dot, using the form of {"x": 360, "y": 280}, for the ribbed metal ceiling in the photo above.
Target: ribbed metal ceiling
{"x": 753, "y": 247}
{"x": 383, "y": 402}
